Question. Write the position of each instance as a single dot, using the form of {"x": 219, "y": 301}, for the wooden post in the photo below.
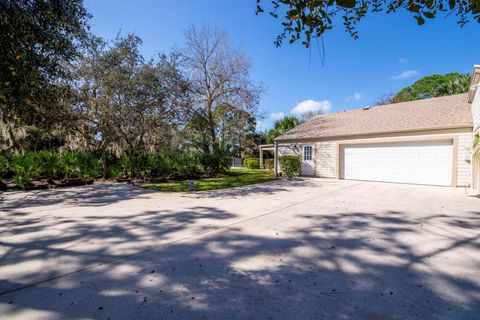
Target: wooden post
{"x": 276, "y": 159}
{"x": 261, "y": 158}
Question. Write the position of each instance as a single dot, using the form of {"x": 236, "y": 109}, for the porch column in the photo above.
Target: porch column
{"x": 261, "y": 158}
{"x": 275, "y": 156}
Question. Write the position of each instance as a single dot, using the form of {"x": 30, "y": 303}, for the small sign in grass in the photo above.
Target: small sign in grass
{"x": 235, "y": 178}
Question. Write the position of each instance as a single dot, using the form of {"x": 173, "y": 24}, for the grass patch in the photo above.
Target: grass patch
{"x": 235, "y": 178}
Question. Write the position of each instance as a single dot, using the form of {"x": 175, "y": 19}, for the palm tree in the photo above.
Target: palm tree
{"x": 458, "y": 83}
{"x": 281, "y": 126}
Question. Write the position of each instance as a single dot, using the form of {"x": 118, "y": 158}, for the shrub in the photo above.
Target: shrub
{"x": 89, "y": 166}
{"x": 269, "y": 164}
{"x": 290, "y": 165}
{"x": 5, "y": 168}
{"x": 252, "y": 163}
{"x": 27, "y": 167}
{"x": 68, "y": 165}
{"x": 215, "y": 162}
{"x": 185, "y": 165}
{"x": 78, "y": 165}
{"x": 49, "y": 164}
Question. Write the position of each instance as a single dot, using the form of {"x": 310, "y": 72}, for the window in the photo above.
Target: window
{"x": 307, "y": 153}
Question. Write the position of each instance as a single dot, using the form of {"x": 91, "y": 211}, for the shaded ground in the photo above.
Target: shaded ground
{"x": 307, "y": 249}
{"x": 235, "y": 178}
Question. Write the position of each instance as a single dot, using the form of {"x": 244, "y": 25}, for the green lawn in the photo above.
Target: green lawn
{"x": 236, "y": 178}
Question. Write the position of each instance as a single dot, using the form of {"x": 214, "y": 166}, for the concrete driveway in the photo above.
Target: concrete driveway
{"x": 307, "y": 249}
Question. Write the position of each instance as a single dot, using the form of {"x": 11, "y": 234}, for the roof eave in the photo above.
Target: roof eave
{"x": 465, "y": 126}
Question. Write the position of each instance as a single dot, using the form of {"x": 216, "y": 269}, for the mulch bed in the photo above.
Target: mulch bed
{"x": 45, "y": 184}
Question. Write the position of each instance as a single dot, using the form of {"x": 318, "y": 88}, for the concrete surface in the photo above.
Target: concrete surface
{"x": 307, "y": 249}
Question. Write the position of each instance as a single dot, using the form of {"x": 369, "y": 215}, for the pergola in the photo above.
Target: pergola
{"x": 262, "y": 148}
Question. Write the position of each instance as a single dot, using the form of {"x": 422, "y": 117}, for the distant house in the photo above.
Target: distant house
{"x": 421, "y": 142}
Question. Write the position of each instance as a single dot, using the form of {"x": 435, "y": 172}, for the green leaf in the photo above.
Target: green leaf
{"x": 429, "y": 15}
{"x": 414, "y": 8}
{"x": 452, "y": 4}
{"x": 420, "y": 20}
{"x": 346, "y": 3}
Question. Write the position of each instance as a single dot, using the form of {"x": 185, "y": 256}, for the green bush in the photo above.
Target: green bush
{"x": 168, "y": 165}
{"x": 5, "y": 168}
{"x": 68, "y": 165}
{"x": 269, "y": 163}
{"x": 26, "y": 167}
{"x": 215, "y": 162}
{"x": 252, "y": 163}
{"x": 185, "y": 165}
{"x": 290, "y": 165}
{"x": 49, "y": 164}
{"x": 89, "y": 166}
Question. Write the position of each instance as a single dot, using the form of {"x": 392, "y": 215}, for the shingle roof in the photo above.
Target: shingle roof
{"x": 434, "y": 113}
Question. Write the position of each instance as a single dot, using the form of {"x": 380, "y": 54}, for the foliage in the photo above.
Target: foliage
{"x": 5, "y": 168}
{"x": 215, "y": 162}
{"x": 224, "y": 98}
{"x": 281, "y": 126}
{"x": 124, "y": 104}
{"x": 476, "y": 147}
{"x": 434, "y": 86}
{"x": 269, "y": 164}
{"x": 49, "y": 165}
{"x": 38, "y": 38}
{"x": 290, "y": 165}
{"x": 236, "y": 178}
{"x": 120, "y": 114}
{"x": 171, "y": 165}
{"x": 306, "y": 19}
{"x": 26, "y": 167}
{"x": 252, "y": 163}
{"x": 385, "y": 98}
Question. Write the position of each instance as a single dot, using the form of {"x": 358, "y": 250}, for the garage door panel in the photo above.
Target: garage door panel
{"x": 427, "y": 162}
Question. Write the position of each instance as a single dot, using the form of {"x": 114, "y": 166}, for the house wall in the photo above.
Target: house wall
{"x": 326, "y": 151}
{"x": 476, "y": 130}
{"x": 476, "y": 111}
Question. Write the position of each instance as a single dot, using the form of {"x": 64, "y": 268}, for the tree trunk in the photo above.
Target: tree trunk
{"x": 211, "y": 128}
{"x": 105, "y": 164}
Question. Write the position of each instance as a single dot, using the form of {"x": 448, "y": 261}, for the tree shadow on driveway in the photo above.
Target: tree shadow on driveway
{"x": 305, "y": 265}
{"x": 98, "y": 194}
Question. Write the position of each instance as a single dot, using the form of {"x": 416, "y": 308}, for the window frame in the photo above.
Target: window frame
{"x": 304, "y": 154}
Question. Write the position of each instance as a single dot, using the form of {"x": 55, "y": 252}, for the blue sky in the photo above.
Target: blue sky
{"x": 392, "y": 51}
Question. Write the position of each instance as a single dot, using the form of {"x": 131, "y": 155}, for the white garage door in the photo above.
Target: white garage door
{"x": 417, "y": 162}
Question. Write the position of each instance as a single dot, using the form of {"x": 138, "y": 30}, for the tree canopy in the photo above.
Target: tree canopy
{"x": 281, "y": 126}
{"x": 64, "y": 89}
{"x": 434, "y": 86}
{"x": 37, "y": 39}
{"x": 307, "y": 19}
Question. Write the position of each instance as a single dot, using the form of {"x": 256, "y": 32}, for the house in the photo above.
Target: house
{"x": 421, "y": 142}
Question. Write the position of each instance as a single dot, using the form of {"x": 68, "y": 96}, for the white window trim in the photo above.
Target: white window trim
{"x": 303, "y": 152}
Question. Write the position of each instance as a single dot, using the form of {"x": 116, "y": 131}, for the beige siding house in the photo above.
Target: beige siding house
{"x": 474, "y": 99}
{"x": 422, "y": 142}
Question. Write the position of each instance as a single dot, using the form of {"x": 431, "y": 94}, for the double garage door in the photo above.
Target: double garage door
{"x": 427, "y": 162}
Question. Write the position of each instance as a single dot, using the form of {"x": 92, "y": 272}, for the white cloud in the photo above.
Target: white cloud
{"x": 402, "y": 61}
{"x": 357, "y": 96}
{"x": 260, "y": 125}
{"x": 277, "y": 115}
{"x": 406, "y": 74}
{"x": 308, "y": 106}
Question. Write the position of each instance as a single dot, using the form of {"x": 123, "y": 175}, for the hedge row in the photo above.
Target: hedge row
{"x": 252, "y": 163}
{"x": 23, "y": 168}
